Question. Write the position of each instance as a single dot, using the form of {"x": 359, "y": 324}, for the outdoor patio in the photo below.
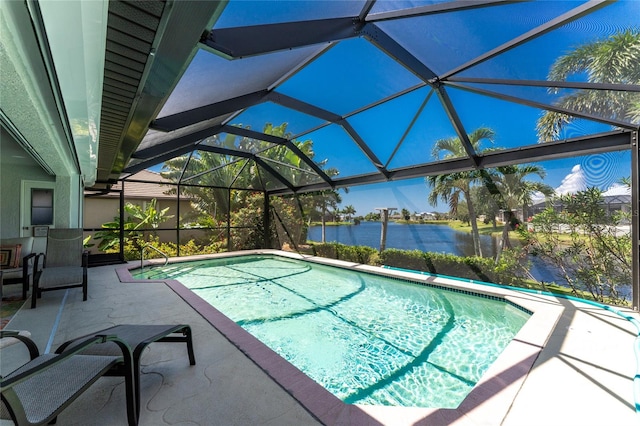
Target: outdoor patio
{"x": 248, "y": 107}
{"x": 583, "y": 375}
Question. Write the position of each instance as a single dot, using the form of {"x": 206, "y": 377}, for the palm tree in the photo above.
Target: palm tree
{"x": 213, "y": 172}
{"x": 453, "y": 187}
{"x": 286, "y": 162}
{"x": 349, "y": 211}
{"x": 485, "y": 203}
{"x": 626, "y": 181}
{"x": 612, "y": 60}
{"x": 516, "y": 191}
{"x": 292, "y": 168}
{"x": 327, "y": 200}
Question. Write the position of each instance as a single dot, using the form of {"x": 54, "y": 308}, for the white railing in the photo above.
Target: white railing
{"x": 166, "y": 258}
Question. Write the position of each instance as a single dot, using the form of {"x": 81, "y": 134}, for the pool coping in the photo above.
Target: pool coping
{"x": 487, "y": 403}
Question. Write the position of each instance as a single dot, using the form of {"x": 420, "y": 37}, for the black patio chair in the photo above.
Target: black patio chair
{"x": 37, "y": 392}
{"x": 63, "y": 266}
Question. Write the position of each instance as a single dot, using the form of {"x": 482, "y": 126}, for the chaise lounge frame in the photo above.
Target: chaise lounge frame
{"x": 37, "y": 392}
{"x": 138, "y": 337}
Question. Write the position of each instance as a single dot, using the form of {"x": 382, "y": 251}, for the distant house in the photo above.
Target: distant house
{"x": 616, "y": 198}
{"x": 425, "y": 216}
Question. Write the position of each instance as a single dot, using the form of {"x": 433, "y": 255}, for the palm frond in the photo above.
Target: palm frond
{"x": 615, "y": 59}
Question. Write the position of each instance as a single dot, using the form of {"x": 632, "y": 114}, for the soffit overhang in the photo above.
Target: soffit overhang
{"x": 149, "y": 44}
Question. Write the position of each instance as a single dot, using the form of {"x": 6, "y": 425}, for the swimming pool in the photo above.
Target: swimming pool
{"x": 368, "y": 339}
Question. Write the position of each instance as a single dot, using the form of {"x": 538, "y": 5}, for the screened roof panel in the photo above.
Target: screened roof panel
{"x": 335, "y": 150}
{"x": 391, "y": 122}
{"x": 172, "y": 169}
{"x": 543, "y": 95}
{"x": 271, "y": 113}
{"x": 432, "y": 124}
{"x": 611, "y": 105}
{"x": 368, "y": 99}
{"x": 257, "y": 177}
{"x": 445, "y": 41}
{"x": 398, "y": 5}
{"x": 354, "y": 73}
{"x": 152, "y": 138}
{"x": 235, "y": 142}
{"x": 580, "y": 127}
{"x": 134, "y": 162}
{"x": 206, "y": 168}
{"x": 245, "y": 12}
{"x": 156, "y": 137}
{"x": 515, "y": 126}
{"x": 534, "y": 59}
{"x": 210, "y": 78}
{"x": 183, "y": 168}
{"x": 298, "y": 175}
{"x": 222, "y": 176}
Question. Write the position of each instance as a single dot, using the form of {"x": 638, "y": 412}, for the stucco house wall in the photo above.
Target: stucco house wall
{"x": 14, "y": 169}
{"x": 102, "y": 209}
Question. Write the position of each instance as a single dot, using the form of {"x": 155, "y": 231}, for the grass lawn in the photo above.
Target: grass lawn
{"x": 483, "y": 229}
{"x": 488, "y": 229}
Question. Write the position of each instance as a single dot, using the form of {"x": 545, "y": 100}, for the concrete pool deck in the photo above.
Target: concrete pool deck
{"x": 572, "y": 364}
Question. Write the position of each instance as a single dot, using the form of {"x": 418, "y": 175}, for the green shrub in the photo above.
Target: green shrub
{"x": 327, "y": 250}
{"x": 407, "y": 259}
{"x": 506, "y": 271}
{"x": 132, "y": 250}
{"x": 358, "y": 254}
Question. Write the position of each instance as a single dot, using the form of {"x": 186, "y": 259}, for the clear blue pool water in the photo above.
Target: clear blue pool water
{"x": 367, "y": 339}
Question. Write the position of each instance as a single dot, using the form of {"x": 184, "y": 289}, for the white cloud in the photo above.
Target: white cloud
{"x": 576, "y": 181}
{"x": 573, "y": 182}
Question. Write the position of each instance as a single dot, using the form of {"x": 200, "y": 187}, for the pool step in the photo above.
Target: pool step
{"x": 163, "y": 272}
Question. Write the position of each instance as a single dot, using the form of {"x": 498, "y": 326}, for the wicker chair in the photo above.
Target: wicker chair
{"x": 63, "y": 266}
{"x": 37, "y": 392}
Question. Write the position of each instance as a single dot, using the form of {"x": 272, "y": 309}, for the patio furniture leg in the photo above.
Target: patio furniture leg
{"x": 139, "y": 337}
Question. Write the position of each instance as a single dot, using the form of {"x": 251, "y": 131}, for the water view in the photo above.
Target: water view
{"x": 424, "y": 237}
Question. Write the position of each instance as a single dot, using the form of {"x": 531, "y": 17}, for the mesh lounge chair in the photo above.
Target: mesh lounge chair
{"x": 137, "y": 337}
{"x": 64, "y": 265}
{"x": 37, "y": 392}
